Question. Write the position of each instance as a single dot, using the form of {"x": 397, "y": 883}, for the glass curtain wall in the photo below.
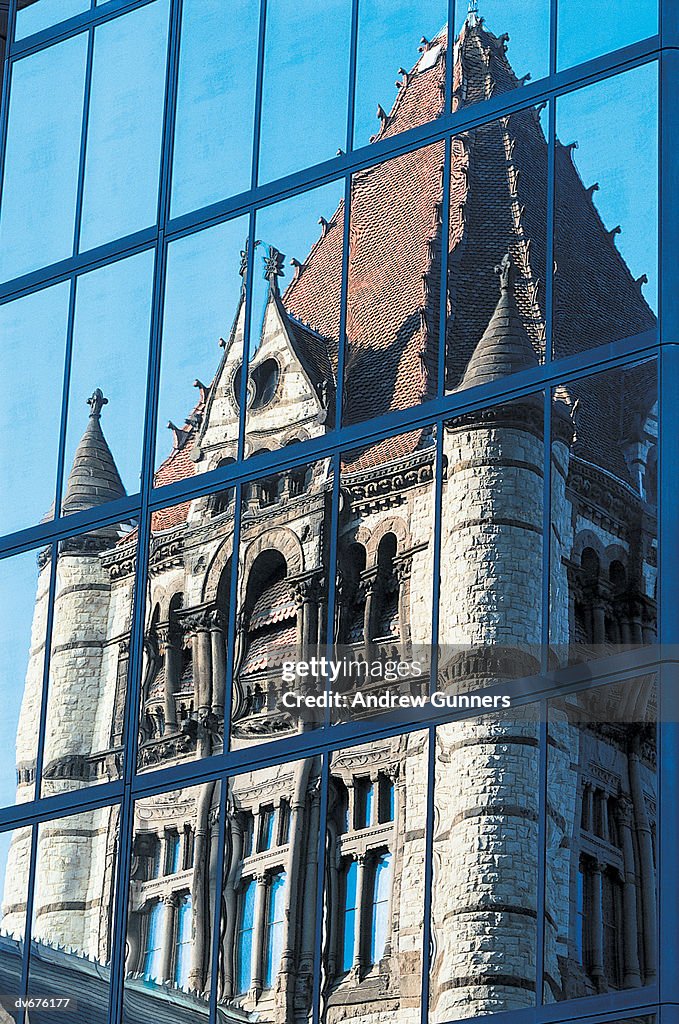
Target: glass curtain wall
{"x": 338, "y": 512}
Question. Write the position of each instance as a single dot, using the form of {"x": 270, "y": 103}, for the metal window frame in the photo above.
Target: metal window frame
{"x": 661, "y": 999}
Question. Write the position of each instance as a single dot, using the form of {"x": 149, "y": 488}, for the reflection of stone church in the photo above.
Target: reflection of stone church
{"x": 600, "y": 902}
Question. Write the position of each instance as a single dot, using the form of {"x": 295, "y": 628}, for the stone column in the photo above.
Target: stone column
{"x": 167, "y": 952}
{"x": 597, "y": 930}
{"x": 170, "y": 649}
{"x": 231, "y": 903}
{"x": 361, "y": 872}
{"x": 598, "y": 621}
{"x": 403, "y": 573}
{"x": 632, "y": 977}
{"x": 199, "y": 886}
{"x": 368, "y": 584}
{"x": 258, "y": 933}
{"x": 646, "y": 866}
{"x": 203, "y": 671}
{"x": 218, "y": 652}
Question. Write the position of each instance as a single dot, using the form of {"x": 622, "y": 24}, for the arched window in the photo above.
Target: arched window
{"x": 152, "y": 946}
{"x": 353, "y": 563}
{"x": 380, "y": 908}
{"x": 182, "y": 962}
{"x": 385, "y": 617}
{"x": 271, "y": 614}
{"x": 348, "y": 923}
{"x": 246, "y": 926}
{"x": 275, "y": 918}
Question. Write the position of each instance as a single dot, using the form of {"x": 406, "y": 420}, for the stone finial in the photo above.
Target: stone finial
{"x": 614, "y": 231}
{"x": 592, "y": 189}
{"x": 244, "y": 260}
{"x": 324, "y": 226}
{"x": 273, "y": 266}
{"x": 180, "y": 436}
{"x": 507, "y": 273}
{"x": 96, "y": 403}
{"x": 382, "y": 114}
{"x": 570, "y": 148}
{"x": 204, "y": 390}
{"x": 402, "y": 82}
{"x": 639, "y": 281}
{"x": 525, "y": 78}
{"x": 299, "y": 267}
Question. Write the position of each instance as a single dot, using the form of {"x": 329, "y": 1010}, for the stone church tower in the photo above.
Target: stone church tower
{"x": 601, "y": 783}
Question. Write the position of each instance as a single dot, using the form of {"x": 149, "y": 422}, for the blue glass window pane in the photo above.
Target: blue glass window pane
{"x": 380, "y": 908}
{"x": 349, "y": 924}
{"x": 266, "y": 829}
{"x": 110, "y": 351}
{"x": 389, "y": 32}
{"x": 244, "y": 942}
{"x": 202, "y": 290}
{"x": 274, "y": 928}
{"x": 33, "y": 332}
{"x": 304, "y": 100}
{"x": 183, "y": 954}
{"x": 155, "y": 862}
{"x": 386, "y": 795}
{"x": 364, "y": 803}
{"x": 125, "y": 125}
{"x": 513, "y": 44}
{"x": 153, "y": 949}
{"x": 43, "y": 155}
{"x": 173, "y": 851}
{"x": 215, "y": 102}
{"x": 606, "y": 213}
{"x": 589, "y": 28}
{"x": 35, "y": 16}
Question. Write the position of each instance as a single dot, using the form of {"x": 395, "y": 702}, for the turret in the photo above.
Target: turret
{"x": 491, "y": 575}
{"x": 85, "y": 649}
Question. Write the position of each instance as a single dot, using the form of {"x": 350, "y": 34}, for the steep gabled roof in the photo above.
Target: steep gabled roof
{"x": 498, "y": 206}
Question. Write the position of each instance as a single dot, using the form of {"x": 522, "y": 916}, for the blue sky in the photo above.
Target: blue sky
{"x": 305, "y": 107}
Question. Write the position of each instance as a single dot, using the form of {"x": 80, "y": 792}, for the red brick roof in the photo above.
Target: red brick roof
{"x": 498, "y": 206}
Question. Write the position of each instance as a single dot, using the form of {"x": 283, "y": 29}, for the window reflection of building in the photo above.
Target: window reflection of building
{"x": 604, "y": 568}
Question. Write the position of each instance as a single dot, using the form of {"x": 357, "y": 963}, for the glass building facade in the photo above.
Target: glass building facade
{"x": 339, "y": 542}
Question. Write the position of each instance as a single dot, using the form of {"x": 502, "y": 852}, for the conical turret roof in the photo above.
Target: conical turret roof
{"x": 94, "y": 478}
{"x": 505, "y": 346}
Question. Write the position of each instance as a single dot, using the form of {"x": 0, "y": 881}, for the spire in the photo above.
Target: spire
{"x": 505, "y": 346}
{"x": 94, "y": 478}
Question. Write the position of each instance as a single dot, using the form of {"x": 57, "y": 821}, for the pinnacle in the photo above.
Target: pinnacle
{"x": 94, "y": 477}
{"x": 505, "y": 347}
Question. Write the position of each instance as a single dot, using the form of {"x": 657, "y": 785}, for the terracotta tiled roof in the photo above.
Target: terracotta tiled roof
{"x": 274, "y": 605}
{"x": 314, "y": 296}
{"x": 498, "y": 206}
{"x": 269, "y": 649}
